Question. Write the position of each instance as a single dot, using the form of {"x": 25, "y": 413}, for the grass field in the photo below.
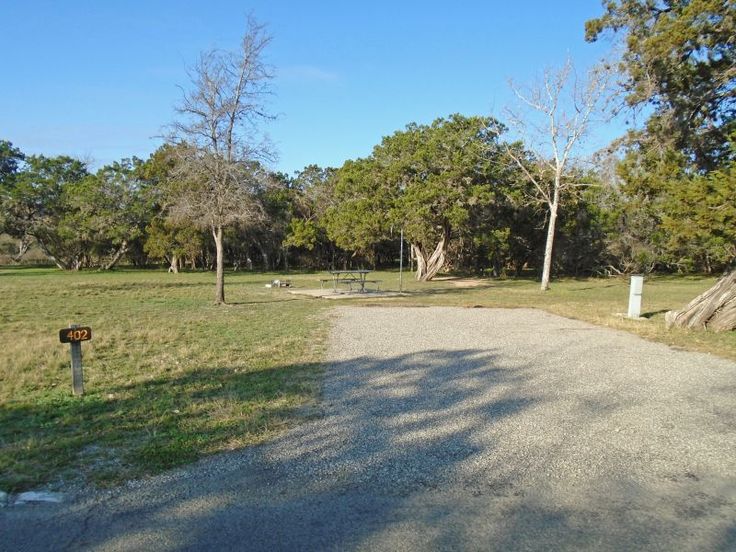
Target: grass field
{"x": 169, "y": 377}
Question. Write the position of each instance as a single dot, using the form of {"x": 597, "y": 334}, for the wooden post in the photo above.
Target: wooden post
{"x": 77, "y": 375}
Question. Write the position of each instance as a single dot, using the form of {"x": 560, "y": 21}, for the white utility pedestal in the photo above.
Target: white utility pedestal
{"x": 637, "y": 285}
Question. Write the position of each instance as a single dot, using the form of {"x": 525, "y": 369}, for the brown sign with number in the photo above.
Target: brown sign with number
{"x": 73, "y": 335}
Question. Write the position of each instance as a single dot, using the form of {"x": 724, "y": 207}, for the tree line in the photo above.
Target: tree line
{"x": 465, "y": 194}
{"x": 461, "y": 208}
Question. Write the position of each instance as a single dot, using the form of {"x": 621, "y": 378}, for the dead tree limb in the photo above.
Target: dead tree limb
{"x": 714, "y": 310}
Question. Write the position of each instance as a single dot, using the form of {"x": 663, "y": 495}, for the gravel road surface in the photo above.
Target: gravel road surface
{"x": 452, "y": 429}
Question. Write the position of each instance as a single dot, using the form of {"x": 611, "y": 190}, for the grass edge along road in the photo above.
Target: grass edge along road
{"x": 170, "y": 377}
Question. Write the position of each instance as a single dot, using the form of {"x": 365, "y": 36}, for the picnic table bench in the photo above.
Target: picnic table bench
{"x": 352, "y": 278}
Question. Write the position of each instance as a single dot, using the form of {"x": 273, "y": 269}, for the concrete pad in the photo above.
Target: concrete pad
{"x": 340, "y": 294}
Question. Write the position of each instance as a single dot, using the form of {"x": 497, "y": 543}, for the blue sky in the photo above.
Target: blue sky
{"x": 99, "y": 79}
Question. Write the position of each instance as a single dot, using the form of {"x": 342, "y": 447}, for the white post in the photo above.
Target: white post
{"x": 637, "y": 284}
{"x": 401, "y": 259}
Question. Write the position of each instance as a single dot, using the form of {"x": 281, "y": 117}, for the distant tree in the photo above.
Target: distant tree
{"x": 445, "y": 172}
{"x": 111, "y": 210}
{"x": 553, "y": 119}
{"x": 359, "y": 217}
{"x": 699, "y": 221}
{"x": 176, "y": 242}
{"x": 11, "y": 161}
{"x": 312, "y": 191}
{"x": 426, "y": 179}
{"x": 679, "y": 58}
{"x": 38, "y": 205}
{"x": 266, "y": 233}
{"x": 581, "y": 243}
{"x": 634, "y": 238}
{"x": 660, "y": 215}
{"x": 215, "y": 175}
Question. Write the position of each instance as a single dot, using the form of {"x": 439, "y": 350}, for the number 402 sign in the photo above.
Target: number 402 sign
{"x": 73, "y": 335}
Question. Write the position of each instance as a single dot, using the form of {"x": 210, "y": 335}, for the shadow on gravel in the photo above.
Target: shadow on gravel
{"x": 406, "y": 456}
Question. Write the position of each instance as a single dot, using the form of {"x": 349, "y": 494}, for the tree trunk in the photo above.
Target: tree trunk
{"x": 62, "y": 264}
{"x": 23, "y": 244}
{"x": 122, "y": 250}
{"x": 548, "y": 246}
{"x": 427, "y": 268}
{"x": 220, "y": 264}
{"x": 421, "y": 262}
{"x": 174, "y": 263}
{"x": 715, "y": 309}
{"x": 59, "y": 263}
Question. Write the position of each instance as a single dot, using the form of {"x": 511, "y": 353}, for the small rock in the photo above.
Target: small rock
{"x": 38, "y": 496}
{"x": 3, "y": 499}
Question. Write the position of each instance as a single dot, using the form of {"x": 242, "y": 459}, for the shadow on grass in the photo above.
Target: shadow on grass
{"x": 148, "y": 425}
{"x": 33, "y": 270}
{"x": 652, "y": 314}
{"x": 272, "y": 300}
{"x": 108, "y": 286}
{"x": 596, "y": 287}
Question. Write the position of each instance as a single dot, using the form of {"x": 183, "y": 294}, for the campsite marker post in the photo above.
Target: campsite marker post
{"x": 74, "y": 335}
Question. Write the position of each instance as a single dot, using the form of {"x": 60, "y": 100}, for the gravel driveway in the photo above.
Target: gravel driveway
{"x": 453, "y": 429}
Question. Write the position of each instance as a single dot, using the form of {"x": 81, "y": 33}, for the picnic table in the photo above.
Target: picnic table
{"x": 352, "y": 277}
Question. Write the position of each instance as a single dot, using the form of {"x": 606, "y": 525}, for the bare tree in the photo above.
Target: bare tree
{"x": 218, "y": 143}
{"x": 554, "y": 118}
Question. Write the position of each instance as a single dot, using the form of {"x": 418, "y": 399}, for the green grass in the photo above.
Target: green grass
{"x": 170, "y": 377}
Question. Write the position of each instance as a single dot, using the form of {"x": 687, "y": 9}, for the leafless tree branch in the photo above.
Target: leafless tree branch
{"x": 218, "y": 143}
{"x": 554, "y": 119}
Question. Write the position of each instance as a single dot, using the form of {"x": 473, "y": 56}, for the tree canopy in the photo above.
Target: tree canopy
{"x": 679, "y": 58}
{"x": 426, "y": 179}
